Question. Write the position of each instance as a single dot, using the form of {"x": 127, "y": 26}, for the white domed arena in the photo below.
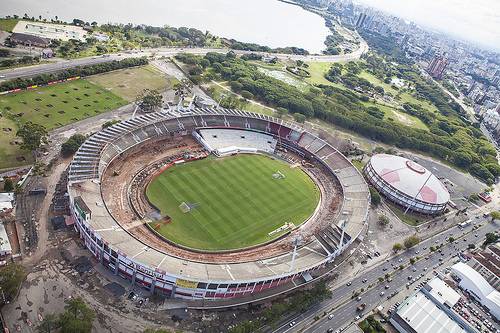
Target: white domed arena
{"x": 407, "y": 184}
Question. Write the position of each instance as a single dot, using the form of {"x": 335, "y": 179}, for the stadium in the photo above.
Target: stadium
{"x": 214, "y": 204}
{"x": 407, "y": 184}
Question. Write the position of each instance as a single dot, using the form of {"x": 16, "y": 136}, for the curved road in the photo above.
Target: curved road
{"x": 168, "y": 52}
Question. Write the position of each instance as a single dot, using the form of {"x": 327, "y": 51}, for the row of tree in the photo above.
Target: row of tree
{"x": 42, "y": 79}
{"x": 25, "y": 60}
{"x": 298, "y": 302}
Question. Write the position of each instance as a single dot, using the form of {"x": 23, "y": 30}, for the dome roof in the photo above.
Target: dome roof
{"x": 410, "y": 178}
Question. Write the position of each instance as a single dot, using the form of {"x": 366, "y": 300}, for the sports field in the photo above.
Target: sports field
{"x": 234, "y": 201}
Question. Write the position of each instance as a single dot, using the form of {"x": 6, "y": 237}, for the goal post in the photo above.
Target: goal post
{"x": 184, "y": 207}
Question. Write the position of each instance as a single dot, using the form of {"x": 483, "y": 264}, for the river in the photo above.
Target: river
{"x": 266, "y": 22}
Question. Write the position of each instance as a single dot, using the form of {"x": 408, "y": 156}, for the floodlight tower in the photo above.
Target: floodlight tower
{"x": 296, "y": 242}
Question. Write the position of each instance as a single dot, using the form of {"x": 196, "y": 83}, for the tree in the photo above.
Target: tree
{"x": 183, "y": 88}
{"x": 77, "y": 317}
{"x": 299, "y": 117}
{"x": 495, "y": 215}
{"x": 11, "y": 277}
{"x": 451, "y": 239}
{"x": 109, "y": 123}
{"x": 411, "y": 241}
{"x": 397, "y": 247}
{"x": 49, "y": 324}
{"x": 158, "y": 330}
{"x": 246, "y": 94}
{"x": 471, "y": 246}
{"x": 490, "y": 239}
{"x": 280, "y": 112}
{"x": 70, "y": 147}
{"x": 473, "y": 197}
{"x": 383, "y": 220}
{"x": 150, "y": 100}
{"x": 8, "y": 185}
{"x": 33, "y": 135}
{"x": 375, "y": 196}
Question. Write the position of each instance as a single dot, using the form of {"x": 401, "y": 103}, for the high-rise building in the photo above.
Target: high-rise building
{"x": 361, "y": 20}
{"x": 437, "y": 66}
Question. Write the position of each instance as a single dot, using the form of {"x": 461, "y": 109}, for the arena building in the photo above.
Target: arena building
{"x": 109, "y": 173}
{"x": 407, "y": 184}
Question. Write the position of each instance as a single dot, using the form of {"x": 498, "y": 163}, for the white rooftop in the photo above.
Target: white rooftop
{"x": 424, "y": 316}
{"x": 410, "y": 178}
{"x": 443, "y": 292}
{"x": 4, "y": 241}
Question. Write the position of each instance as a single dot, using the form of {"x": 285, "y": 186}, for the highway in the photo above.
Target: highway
{"x": 167, "y": 52}
{"x": 343, "y": 307}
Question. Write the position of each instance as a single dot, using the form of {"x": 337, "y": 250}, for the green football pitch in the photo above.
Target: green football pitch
{"x": 233, "y": 202}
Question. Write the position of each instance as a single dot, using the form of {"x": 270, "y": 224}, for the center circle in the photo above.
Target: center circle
{"x": 230, "y": 203}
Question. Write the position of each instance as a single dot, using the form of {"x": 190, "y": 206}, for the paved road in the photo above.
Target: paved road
{"x": 159, "y": 52}
{"x": 343, "y": 308}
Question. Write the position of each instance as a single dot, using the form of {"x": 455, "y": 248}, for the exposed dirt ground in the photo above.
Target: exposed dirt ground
{"x": 116, "y": 184}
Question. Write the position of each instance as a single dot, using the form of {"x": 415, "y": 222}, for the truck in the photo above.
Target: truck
{"x": 464, "y": 224}
{"x": 361, "y": 307}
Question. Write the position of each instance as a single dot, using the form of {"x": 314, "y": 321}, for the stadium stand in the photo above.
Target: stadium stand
{"x": 161, "y": 272}
{"x": 226, "y": 141}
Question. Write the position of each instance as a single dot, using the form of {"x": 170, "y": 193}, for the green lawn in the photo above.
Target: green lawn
{"x": 408, "y": 218}
{"x": 129, "y": 83}
{"x": 10, "y": 154}
{"x": 8, "y": 24}
{"x": 60, "y": 104}
{"x": 318, "y": 70}
{"x": 400, "y": 96}
{"x": 377, "y": 82}
{"x": 398, "y": 116}
{"x": 236, "y": 201}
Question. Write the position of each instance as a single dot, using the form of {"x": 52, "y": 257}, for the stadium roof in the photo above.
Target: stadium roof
{"x": 482, "y": 287}
{"x": 410, "y": 178}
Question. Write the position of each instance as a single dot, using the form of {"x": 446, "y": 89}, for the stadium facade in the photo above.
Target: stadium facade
{"x": 159, "y": 271}
{"x": 407, "y": 184}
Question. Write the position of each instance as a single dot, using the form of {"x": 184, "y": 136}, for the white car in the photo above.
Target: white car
{"x": 330, "y": 317}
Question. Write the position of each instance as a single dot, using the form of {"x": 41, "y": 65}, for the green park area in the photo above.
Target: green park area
{"x": 10, "y": 154}
{"x": 231, "y": 100}
{"x": 129, "y": 83}
{"x": 8, "y": 24}
{"x": 318, "y": 70}
{"x": 393, "y": 114}
{"x": 64, "y": 103}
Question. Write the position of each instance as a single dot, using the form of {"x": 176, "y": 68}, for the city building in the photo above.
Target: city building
{"x": 50, "y": 31}
{"x": 361, "y": 20}
{"x": 477, "y": 286}
{"x": 6, "y": 202}
{"x": 430, "y": 310}
{"x": 407, "y": 184}
{"x": 487, "y": 263}
{"x": 437, "y": 66}
{"x": 5, "y": 248}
